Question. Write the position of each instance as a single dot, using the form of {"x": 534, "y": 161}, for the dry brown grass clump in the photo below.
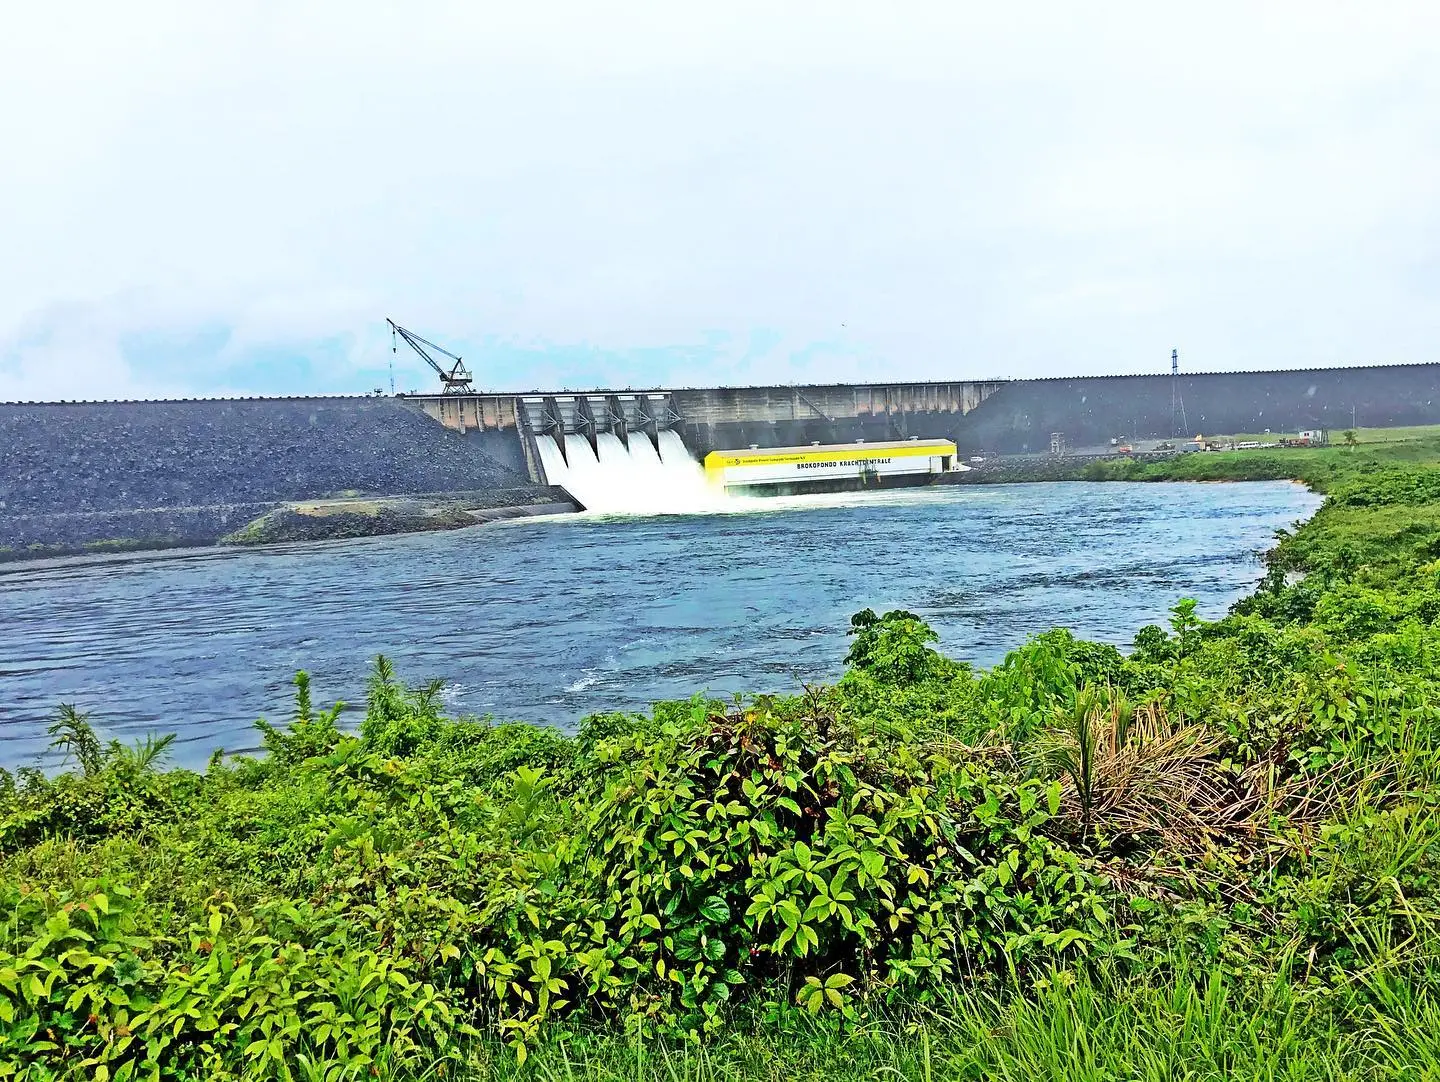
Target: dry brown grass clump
{"x": 1133, "y": 776}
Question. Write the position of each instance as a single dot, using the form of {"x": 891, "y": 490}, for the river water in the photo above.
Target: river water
{"x": 548, "y": 620}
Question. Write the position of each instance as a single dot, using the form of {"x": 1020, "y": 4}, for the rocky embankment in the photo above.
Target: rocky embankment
{"x": 329, "y": 520}
{"x": 118, "y": 476}
{"x": 79, "y": 532}
{"x": 1017, "y": 469}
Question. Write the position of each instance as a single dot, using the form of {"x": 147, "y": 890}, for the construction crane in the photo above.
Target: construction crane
{"x": 1178, "y": 423}
{"x": 454, "y": 380}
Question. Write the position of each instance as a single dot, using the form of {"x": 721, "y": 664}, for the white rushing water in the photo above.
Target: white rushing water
{"x": 630, "y": 480}
{"x": 635, "y": 480}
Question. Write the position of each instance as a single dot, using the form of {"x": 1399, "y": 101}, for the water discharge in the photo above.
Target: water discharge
{"x": 612, "y": 478}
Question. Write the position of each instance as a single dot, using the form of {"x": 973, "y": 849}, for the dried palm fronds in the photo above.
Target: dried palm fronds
{"x": 1160, "y": 798}
{"x": 1133, "y": 770}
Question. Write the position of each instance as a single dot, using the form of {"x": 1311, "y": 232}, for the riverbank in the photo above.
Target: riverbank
{"x": 46, "y": 536}
{"x": 1322, "y": 468}
{"x": 24, "y": 537}
{"x": 1213, "y": 855}
{"x": 332, "y": 520}
{"x": 1318, "y": 467}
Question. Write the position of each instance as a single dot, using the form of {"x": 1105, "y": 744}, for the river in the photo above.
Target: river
{"x": 548, "y": 620}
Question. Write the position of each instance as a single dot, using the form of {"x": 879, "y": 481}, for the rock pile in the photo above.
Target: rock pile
{"x": 113, "y": 456}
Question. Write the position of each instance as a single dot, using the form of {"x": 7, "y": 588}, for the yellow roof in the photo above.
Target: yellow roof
{"x": 807, "y": 448}
{"x": 838, "y": 450}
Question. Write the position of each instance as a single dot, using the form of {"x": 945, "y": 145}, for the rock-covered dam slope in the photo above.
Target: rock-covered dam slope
{"x": 100, "y": 475}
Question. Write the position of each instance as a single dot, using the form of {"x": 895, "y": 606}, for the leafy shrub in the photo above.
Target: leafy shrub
{"x": 1349, "y": 613}
{"x": 119, "y": 789}
{"x": 894, "y": 648}
{"x": 83, "y": 995}
{"x": 1393, "y": 486}
{"x": 399, "y": 720}
{"x": 310, "y": 734}
{"x": 1018, "y": 697}
{"x": 771, "y": 847}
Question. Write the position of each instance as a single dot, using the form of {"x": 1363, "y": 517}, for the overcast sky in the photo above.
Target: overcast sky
{"x": 230, "y": 198}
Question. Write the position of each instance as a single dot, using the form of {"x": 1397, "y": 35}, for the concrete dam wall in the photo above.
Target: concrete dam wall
{"x": 998, "y": 416}
{"x": 1020, "y": 415}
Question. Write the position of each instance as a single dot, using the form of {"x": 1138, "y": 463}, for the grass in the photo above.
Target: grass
{"x": 103, "y": 546}
{"x": 1375, "y": 534}
{"x": 1319, "y": 467}
{"x": 1074, "y": 1029}
{"x": 1397, "y": 434}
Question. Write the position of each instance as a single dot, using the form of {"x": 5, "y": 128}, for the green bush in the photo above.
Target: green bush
{"x": 759, "y": 849}
{"x": 83, "y": 995}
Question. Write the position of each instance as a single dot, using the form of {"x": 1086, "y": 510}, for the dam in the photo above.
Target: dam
{"x": 1007, "y": 417}
{"x": 78, "y": 476}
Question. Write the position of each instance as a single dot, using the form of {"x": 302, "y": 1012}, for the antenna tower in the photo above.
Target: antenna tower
{"x": 1177, "y": 401}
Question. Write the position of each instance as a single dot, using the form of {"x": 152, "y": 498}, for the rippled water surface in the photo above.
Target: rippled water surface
{"x": 551, "y": 619}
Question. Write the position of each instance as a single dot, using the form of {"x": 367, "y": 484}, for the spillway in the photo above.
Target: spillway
{"x": 640, "y": 479}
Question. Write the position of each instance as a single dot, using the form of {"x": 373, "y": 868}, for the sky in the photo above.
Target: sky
{"x": 206, "y": 199}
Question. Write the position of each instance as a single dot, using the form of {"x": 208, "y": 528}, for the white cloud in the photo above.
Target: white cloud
{"x": 974, "y": 190}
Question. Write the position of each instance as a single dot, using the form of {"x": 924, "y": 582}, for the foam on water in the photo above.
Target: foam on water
{"x": 614, "y": 479}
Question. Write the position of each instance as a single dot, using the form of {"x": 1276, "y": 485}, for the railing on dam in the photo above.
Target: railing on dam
{"x": 828, "y": 402}
{"x": 619, "y": 410}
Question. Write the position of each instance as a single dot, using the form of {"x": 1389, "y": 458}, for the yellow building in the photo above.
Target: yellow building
{"x": 831, "y": 467}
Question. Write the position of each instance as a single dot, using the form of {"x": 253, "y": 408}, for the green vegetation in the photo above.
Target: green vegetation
{"x": 130, "y": 544}
{"x": 1397, "y": 434}
{"x": 1319, "y": 467}
{"x": 1215, "y": 856}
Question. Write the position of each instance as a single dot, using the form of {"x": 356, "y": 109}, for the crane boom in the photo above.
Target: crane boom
{"x": 454, "y": 380}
